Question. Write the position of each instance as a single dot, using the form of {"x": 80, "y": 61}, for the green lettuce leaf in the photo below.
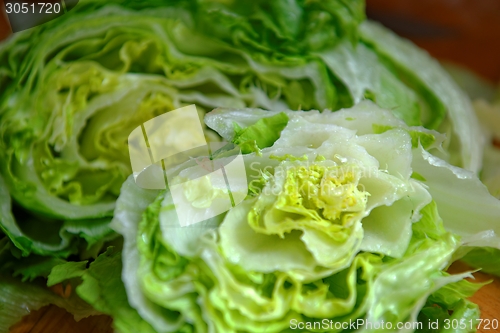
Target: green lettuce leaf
{"x": 485, "y": 258}
{"x": 42, "y": 236}
{"x": 464, "y": 203}
{"x": 130, "y": 206}
{"x": 263, "y": 133}
{"x": 410, "y": 281}
{"x": 447, "y": 310}
{"x": 101, "y": 287}
{"x": 444, "y": 98}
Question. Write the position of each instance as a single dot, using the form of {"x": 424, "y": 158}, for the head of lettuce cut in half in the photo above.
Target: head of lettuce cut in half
{"x": 348, "y": 216}
{"x": 71, "y": 91}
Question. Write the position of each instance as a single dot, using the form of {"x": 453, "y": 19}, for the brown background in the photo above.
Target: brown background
{"x": 465, "y": 32}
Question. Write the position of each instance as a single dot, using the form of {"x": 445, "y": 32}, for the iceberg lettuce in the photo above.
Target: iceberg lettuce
{"x": 74, "y": 88}
{"x": 342, "y": 222}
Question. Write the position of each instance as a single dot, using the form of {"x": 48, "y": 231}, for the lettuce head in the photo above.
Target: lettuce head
{"x": 74, "y": 88}
{"x": 346, "y": 219}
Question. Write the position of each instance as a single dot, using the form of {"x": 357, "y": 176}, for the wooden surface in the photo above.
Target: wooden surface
{"x": 52, "y": 319}
{"x": 488, "y": 297}
{"x": 463, "y": 31}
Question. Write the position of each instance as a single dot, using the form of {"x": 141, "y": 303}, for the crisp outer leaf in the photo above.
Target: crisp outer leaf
{"x": 131, "y": 204}
{"x": 38, "y": 238}
{"x": 457, "y": 106}
{"x": 264, "y": 132}
{"x": 103, "y": 288}
{"x": 66, "y": 271}
{"x": 464, "y": 203}
{"x": 364, "y": 75}
{"x": 401, "y": 289}
{"x": 485, "y": 258}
